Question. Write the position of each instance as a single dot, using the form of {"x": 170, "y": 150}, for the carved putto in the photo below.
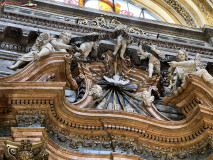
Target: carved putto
{"x": 122, "y": 40}
{"x": 177, "y": 74}
{"x": 86, "y": 47}
{"x": 154, "y": 59}
{"x": 194, "y": 67}
{"x": 44, "y": 46}
{"x": 147, "y": 98}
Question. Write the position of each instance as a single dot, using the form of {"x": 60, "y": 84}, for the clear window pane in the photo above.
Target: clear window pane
{"x": 148, "y": 16}
{"x": 134, "y": 11}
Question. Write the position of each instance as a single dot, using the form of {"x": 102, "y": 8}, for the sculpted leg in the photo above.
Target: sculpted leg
{"x": 86, "y": 53}
{"x": 123, "y": 49}
{"x": 16, "y": 65}
{"x": 203, "y": 73}
{"x": 150, "y": 70}
{"x": 157, "y": 67}
{"x": 118, "y": 44}
{"x": 43, "y": 52}
{"x": 77, "y": 54}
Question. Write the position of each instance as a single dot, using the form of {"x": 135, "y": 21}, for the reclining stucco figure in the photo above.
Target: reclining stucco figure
{"x": 43, "y": 46}
{"x": 195, "y": 65}
{"x": 154, "y": 62}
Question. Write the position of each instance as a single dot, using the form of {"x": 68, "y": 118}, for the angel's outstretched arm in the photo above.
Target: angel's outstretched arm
{"x": 60, "y": 45}
{"x": 142, "y": 52}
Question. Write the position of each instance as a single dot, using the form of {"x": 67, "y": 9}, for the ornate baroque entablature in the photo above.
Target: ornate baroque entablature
{"x": 53, "y": 25}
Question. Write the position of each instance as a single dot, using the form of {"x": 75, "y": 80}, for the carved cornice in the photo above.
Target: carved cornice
{"x": 126, "y": 143}
{"x": 182, "y": 11}
{"x": 112, "y": 18}
{"x": 14, "y": 48}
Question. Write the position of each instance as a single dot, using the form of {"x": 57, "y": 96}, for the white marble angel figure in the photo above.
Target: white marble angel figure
{"x": 86, "y": 48}
{"x": 154, "y": 62}
{"x": 176, "y": 74}
{"x": 147, "y": 98}
{"x": 122, "y": 40}
{"x": 43, "y": 46}
{"x": 195, "y": 67}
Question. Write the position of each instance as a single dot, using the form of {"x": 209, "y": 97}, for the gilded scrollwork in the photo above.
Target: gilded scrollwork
{"x": 30, "y": 118}
{"x": 26, "y": 150}
{"x": 208, "y": 13}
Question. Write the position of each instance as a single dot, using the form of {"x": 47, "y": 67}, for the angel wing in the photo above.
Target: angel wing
{"x": 41, "y": 40}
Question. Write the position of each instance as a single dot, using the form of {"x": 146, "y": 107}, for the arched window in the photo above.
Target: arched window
{"x": 119, "y": 6}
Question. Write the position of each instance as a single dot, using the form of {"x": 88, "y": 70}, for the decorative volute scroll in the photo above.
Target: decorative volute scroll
{"x": 191, "y": 94}
{"x": 26, "y": 150}
{"x": 54, "y": 68}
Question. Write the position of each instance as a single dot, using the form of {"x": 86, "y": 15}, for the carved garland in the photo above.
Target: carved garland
{"x": 182, "y": 11}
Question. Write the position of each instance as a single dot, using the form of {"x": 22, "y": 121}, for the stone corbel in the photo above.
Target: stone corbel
{"x": 25, "y": 37}
{"x": 2, "y": 29}
{"x": 208, "y": 31}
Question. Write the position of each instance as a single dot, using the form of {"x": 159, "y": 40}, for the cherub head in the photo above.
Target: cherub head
{"x": 147, "y": 98}
{"x": 95, "y": 91}
{"x": 65, "y": 36}
{"x": 182, "y": 55}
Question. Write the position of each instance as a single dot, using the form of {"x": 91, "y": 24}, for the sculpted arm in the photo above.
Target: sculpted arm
{"x": 184, "y": 63}
{"x": 158, "y": 52}
{"x": 60, "y": 45}
{"x": 142, "y": 52}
